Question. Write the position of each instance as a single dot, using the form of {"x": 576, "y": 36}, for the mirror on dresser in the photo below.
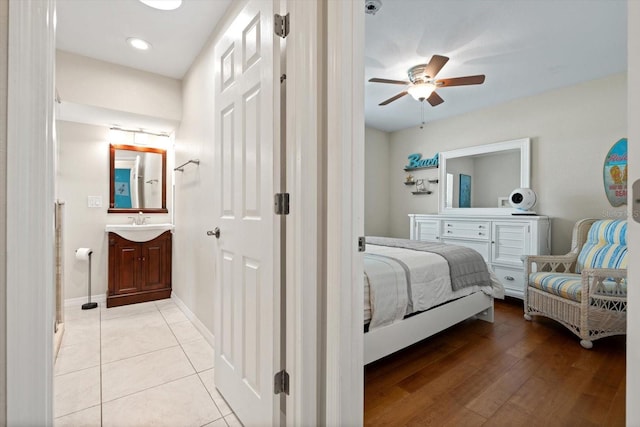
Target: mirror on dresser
{"x": 479, "y": 179}
{"x": 137, "y": 179}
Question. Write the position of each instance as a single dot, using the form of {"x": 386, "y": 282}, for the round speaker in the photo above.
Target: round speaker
{"x": 522, "y": 198}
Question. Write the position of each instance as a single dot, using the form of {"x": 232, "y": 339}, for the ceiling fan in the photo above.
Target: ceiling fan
{"x": 422, "y": 82}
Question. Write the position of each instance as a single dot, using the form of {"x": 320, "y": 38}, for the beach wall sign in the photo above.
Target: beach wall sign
{"x": 417, "y": 162}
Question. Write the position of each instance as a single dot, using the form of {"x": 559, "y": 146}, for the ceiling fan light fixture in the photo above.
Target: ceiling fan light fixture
{"x": 421, "y": 91}
{"x": 163, "y": 4}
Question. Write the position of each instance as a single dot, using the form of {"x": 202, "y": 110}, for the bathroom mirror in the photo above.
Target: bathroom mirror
{"x": 478, "y": 180}
{"x": 137, "y": 179}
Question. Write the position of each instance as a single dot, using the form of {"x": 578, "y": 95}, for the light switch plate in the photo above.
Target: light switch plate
{"x": 94, "y": 201}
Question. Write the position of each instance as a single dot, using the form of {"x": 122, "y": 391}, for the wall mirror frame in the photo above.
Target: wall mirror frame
{"x": 161, "y": 205}
{"x": 522, "y": 145}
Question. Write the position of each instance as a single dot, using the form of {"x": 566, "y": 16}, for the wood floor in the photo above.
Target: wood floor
{"x": 509, "y": 373}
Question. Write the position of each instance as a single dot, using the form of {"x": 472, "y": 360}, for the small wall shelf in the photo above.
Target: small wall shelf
{"x": 421, "y": 192}
{"x": 409, "y": 183}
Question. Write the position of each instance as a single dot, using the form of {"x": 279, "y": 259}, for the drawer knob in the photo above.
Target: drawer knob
{"x": 448, "y": 231}
{"x": 481, "y": 234}
{"x": 509, "y": 278}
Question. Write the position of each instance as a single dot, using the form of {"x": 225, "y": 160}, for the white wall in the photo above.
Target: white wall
{"x": 83, "y": 170}
{"x": 4, "y": 27}
{"x": 87, "y": 81}
{"x": 376, "y": 197}
{"x": 194, "y": 275}
{"x": 572, "y": 130}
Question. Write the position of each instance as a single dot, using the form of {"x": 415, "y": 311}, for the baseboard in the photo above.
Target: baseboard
{"x": 194, "y": 319}
{"x": 100, "y": 299}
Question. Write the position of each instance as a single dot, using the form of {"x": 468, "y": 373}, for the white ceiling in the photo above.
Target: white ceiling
{"x": 524, "y": 47}
{"x": 99, "y": 29}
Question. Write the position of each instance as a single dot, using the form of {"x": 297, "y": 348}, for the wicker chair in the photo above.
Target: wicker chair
{"x": 586, "y": 289}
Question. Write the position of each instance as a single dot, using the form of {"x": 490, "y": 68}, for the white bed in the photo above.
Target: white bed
{"x": 401, "y": 282}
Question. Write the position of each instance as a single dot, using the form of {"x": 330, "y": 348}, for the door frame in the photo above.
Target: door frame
{"x": 304, "y": 244}
{"x": 633, "y": 228}
{"x": 30, "y": 212}
{"x": 344, "y": 395}
{"x": 325, "y": 177}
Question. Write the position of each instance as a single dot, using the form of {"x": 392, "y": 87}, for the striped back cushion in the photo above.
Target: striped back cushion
{"x": 606, "y": 246}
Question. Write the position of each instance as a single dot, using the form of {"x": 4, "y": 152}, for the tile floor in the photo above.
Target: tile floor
{"x": 136, "y": 365}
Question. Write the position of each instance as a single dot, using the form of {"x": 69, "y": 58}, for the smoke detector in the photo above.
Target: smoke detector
{"x": 372, "y": 6}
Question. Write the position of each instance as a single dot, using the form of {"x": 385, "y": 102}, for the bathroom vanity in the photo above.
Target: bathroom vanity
{"x": 139, "y": 263}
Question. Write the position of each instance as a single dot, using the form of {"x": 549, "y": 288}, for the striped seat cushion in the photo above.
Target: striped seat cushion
{"x": 565, "y": 285}
{"x": 568, "y": 285}
{"x": 606, "y": 246}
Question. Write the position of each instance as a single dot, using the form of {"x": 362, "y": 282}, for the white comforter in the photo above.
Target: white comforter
{"x": 386, "y": 297}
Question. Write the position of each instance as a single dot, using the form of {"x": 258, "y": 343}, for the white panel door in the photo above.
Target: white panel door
{"x": 247, "y": 152}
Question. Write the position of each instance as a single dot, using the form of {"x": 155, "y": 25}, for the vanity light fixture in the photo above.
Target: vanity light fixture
{"x": 138, "y": 43}
{"x": 163, "y": 4}
{"x": 138, "y": 137}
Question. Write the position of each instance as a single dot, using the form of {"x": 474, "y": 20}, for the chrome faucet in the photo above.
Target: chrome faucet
{"x": 141, "y": 220}
{"x": 138, "y": 220}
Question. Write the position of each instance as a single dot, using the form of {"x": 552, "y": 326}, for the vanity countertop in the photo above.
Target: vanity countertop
{"x": 139, "y": 233}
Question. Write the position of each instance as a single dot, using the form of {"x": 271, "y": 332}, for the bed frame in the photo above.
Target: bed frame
{"x": 389, "y": 339}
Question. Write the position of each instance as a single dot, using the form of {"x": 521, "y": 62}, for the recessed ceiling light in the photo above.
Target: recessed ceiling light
{"x": 163, "y": 4}
{"x": 138, "y": 43}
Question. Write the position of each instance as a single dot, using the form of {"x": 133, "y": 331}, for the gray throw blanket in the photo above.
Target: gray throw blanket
{"x": 466, "y": 266}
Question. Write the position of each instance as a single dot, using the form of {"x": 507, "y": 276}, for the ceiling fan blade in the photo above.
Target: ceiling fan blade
{"x": 434, "y": 99}
{"x": 461, "y": 81}
{"x": 393, "y": 98}
{"x": 394, "y": 82}
{"x": 435, "y": 65}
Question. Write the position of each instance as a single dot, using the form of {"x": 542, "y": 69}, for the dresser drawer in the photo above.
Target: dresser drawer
{"x": 512, "y": 279}
{"x": 480, "y": 230}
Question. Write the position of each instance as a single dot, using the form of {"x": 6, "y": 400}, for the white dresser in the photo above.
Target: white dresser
{"x": 502, "y": 240}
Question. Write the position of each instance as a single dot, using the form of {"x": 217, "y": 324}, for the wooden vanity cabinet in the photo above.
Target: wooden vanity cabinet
{"x": 139, "y": 271}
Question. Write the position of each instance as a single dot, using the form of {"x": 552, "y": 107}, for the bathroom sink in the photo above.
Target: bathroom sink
{"x": 139, "y": 233}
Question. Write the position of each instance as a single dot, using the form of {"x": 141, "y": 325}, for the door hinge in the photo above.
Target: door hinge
{"x": 281, "y": 203}
{"x": 281, "y": 25}
{"x": 281, "y": 382}
{"x": 362, "y": 244}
